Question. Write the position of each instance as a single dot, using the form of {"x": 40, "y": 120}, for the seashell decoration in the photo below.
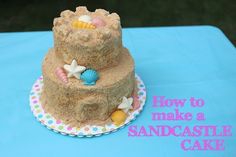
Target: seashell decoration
{"x": 82, "y": 25}
{"x": 102, "y": 12}
{"x": 98, "y": 22}
{"x": 118, "y": 117}
{"x": 136, "y": 103}
{"x": 89, "y": 77}
{"x": 61, "y": 75}
{"x": 126, "y": 104}
{"x": 85, "y": 18}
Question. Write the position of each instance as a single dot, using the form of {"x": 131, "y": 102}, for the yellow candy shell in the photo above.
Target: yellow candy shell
{"x": 82, "y": 25}
{"x": 118, "y": 117}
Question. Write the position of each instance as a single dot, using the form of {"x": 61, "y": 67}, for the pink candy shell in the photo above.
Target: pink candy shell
{"x": 98, "y": 22}
{"x": 136, "y": 103}
{"x": 61, "y": 75}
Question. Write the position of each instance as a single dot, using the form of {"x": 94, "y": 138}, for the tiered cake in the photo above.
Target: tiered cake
{"x": 88, "y": 75}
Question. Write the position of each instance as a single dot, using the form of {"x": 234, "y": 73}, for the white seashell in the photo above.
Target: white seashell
{"x": 85, "y": 18}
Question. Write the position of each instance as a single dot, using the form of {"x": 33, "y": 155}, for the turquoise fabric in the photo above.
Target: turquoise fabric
{"x": 176, "y": 62}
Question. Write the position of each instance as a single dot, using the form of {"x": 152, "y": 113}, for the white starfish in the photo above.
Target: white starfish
{"x": 74, "y": 69}
{"x": 126, "y": 104}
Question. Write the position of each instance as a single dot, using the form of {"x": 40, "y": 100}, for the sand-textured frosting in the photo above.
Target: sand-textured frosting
{"x": 95, "y": 48}
{"x": 78, "y": 104}
{"x": 99, "y": 48}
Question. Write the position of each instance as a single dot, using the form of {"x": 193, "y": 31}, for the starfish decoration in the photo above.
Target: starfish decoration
{"x": 126, "y": 104}
{"x": 74, "y": 69}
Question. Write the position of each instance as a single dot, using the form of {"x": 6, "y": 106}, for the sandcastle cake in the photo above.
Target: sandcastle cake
{"x": 88, "y": 75}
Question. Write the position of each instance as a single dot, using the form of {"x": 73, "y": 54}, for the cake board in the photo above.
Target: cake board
{"x": 57, "y": 125}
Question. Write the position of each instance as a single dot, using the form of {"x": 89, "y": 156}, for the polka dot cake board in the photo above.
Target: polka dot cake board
{"x": 58, "y": 126}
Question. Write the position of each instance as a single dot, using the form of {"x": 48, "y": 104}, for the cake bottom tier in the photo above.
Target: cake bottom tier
{"x": 77, "y": 104}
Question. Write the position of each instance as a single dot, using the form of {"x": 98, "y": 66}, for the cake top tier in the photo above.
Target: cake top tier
{"x": 93, "y": 39}
{"x": 85, "y": 27}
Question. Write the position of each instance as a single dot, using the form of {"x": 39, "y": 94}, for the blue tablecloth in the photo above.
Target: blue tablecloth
{"x": 176, "y": 62}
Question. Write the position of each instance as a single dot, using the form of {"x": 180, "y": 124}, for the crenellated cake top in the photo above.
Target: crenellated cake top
{"x": 93, "y": 39}
{"x": 104, "y": 25}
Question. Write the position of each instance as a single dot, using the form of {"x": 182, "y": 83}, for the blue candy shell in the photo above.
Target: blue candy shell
{"x": 89, "y": 77}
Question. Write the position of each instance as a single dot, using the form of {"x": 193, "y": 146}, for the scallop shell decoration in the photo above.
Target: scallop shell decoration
{"x": 82, "y": 25}
{"x": 61, "y": 75}
{"x": 89, "y": 77}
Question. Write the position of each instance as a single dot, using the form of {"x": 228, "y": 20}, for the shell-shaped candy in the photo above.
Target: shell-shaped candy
{"x": 85, "y": 18}
{"x": 89, "y": 77}
{"x": 118, "y": 117}
{"x": 82, "y": 25}
{"x": 61, "y": 75}
{"x": 136, "y": 103}
{"x": 98, "y": 22}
